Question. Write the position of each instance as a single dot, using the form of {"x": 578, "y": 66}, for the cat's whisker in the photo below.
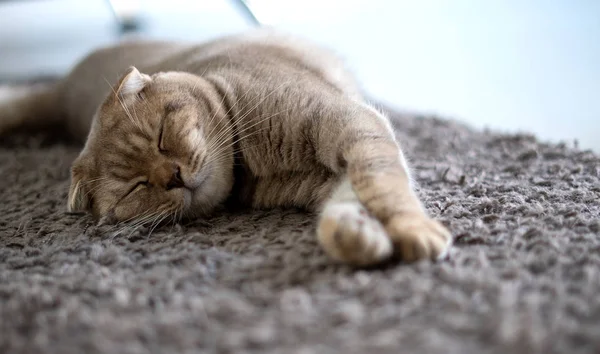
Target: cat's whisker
{"x": 232, "y": 106}
{"x": 248, "y": 112}
{"x": 222, "y": 153}
{"x": 139, "y": 221}
{"x": 245, "y": 128}
{"x": 142, "y": 219}
{"x": 164, "y": 209}
{"x": 101, "y": 183}
{"x": 173, "y": 221}
{"x": 135, "y": 221}
{"x": 261, "y": 100}
{"x": 249, "y": 124}
{"x": 157, "y": 220}
{"x": 137, "y": 121}
{"x": 95, "y": 179}
{"x": 134, "y": 230}
{"x": 85, "y": 183}
{"x": 123, "y": 226}
{"x": 224, "y": 134}
{"x": 236, "y": 120}
{"x": 210, "y": 121}
{"x": 110, "y": 85}
{"x": 91, "y": 191}
{"x": 221, "y": 146}
{"x": 128, "y": 113}
{"x": 125, "y": 109}
{"x": 177, "y": 216}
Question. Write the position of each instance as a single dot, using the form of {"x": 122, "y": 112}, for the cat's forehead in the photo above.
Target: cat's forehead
{"x": 144, "y": 105}
{"x": 164, "y": 102}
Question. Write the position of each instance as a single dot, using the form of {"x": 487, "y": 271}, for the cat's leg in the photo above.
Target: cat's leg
{"x": 348, "y": 233}
{"x": 366, "y": 150}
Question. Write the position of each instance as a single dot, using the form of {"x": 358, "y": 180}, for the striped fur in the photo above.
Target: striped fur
{"x": 260, "y": 120}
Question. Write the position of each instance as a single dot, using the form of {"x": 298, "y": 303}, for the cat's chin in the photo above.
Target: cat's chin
{"x": 200, "y": 201}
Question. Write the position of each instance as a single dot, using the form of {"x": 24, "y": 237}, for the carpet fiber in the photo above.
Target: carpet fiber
{"x": 524, "y": 276}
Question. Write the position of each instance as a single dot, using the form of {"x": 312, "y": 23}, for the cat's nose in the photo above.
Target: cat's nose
{"x": 175, "y": 181}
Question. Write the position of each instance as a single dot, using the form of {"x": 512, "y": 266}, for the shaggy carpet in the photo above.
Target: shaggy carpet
{"x": 523, "y": 277}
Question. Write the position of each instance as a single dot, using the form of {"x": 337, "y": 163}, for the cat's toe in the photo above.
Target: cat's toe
{"x": 416, "y": 236}
{"x": 348, "y": 234}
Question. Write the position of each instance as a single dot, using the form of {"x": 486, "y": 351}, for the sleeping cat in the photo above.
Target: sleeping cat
{"x": 261, "y": 119}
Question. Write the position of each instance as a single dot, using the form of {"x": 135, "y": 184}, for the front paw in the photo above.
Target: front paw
{"x": 348, "y": 234}
{"x": 416, "y": 236}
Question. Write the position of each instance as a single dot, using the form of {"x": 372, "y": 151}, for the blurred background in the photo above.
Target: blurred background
{"x": 509, "y": 65}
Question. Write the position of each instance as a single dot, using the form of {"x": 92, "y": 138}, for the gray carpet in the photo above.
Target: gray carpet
{"x": 524, "y": 276}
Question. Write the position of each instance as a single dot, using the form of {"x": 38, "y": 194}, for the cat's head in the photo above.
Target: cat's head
{"x": 158, "y": 146}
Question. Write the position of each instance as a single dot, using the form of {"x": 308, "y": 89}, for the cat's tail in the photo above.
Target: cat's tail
{"x": 29, "y": 107}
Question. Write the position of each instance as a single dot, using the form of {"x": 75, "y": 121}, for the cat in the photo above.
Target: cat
{"x": 260, "y": 119}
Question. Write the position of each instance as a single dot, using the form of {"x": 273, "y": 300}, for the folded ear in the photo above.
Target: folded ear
{"x": 132, "y": 82}
{"x": 79, "y": 196}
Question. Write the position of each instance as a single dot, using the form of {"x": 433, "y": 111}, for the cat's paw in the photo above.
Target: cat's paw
{"x": 348, "y": 234}
{"x": 416, "y": 236}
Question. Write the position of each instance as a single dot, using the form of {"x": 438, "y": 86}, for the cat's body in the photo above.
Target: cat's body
{"x": 260, "y": 119}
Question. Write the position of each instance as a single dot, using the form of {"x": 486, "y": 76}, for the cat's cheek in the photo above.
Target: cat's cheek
{"x": 122, "y": 213}
{"x": 137, "y": 206}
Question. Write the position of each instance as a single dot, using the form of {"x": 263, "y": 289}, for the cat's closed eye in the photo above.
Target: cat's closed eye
{"x": 161, "y": 145}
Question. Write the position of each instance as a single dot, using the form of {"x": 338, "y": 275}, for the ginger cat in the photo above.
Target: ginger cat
{"x": 260, "y": 119}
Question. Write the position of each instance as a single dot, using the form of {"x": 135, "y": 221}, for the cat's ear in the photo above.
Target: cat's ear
{"x": 79, "y": 198}
{"x": 132, "y": 82}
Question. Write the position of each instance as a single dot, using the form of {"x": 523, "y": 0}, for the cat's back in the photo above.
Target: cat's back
{"x": 267, "y": 52}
